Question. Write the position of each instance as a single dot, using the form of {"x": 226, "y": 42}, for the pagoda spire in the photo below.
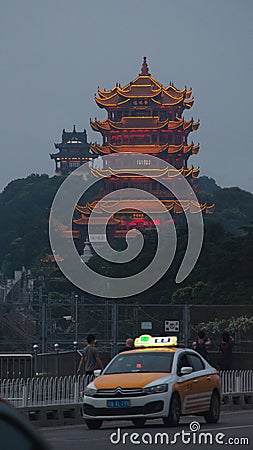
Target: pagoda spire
{"x": 144, "y": 67}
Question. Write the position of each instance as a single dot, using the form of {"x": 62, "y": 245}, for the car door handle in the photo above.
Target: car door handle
{"x": 195, "y": 381}
{"x": 208, "y": 378}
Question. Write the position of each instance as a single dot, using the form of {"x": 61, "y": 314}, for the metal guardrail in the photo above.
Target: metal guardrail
{"x": 236, "y": 381}
{"x": 44, "y": 391}
{"x": 67, "y": 390}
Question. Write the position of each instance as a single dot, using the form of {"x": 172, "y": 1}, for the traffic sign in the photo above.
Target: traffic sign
{"x": 171, "y": 326}
{"x": 146, "y": 325}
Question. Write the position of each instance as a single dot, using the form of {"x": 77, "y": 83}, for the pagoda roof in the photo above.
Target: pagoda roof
{"x": 74, "y": 144}
{"x": 142, "y": 123}
{"x": 146, "y": 87}
{"x": 145, "y": 172}
{"x": 151, "y": 206}
{"x": 106, "y": 149}
{"x": 78, "y": 154}
{"x": 73, "y": 137}
{"x": 85, "y": 220}
{"x": 148, "y": 149}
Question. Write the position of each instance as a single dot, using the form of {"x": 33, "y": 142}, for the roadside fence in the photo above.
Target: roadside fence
{"x": 236, "y": 381}
{"x": 44, "y": 391}
{"x": 68, "y": 390}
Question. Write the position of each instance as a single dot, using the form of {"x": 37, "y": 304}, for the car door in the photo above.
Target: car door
{"x": 199, "y": 399}
{"x": 185, "y": 383}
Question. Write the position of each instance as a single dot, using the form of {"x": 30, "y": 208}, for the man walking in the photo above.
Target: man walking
{"x": 90, "y": 357}
{"x": 129, "y": 345}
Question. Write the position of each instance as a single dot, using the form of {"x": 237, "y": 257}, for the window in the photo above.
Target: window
{"x": 163, "y": 115}
{"x": 141, "y": 362}
{"x": 163, "y": 138}
{"x": 196, "y": 362}
{"x": 178, "y": 140}
{"x": 183, "y": 361}
{"x": 73, "y": 164}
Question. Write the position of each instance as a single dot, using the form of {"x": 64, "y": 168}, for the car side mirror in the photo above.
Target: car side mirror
{"x": 186, "y": 370}
{"x": 97, "y": 372}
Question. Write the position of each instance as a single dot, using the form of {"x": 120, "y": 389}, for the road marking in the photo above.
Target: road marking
{"x": 235, "y": 427}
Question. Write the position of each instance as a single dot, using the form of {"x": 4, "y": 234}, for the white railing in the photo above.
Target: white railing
{"x": 67, "y": 390}
{"x": 44, "y": 391}
{"x": 236, "y": 381}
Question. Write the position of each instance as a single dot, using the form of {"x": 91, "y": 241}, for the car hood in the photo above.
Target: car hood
{"x": 127, "y": 380}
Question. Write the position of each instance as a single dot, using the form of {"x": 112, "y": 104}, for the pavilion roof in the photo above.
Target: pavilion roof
{"x": 146, "y": 148}
{"x": 151, "y": 206}
{"x": 145, "y": 172}
{"x": 142, "y": 123}
{"x": 144, "y": 86}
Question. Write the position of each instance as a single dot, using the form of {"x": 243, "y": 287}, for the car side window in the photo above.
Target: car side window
{"x": 183, "y": 361}
{"x": 196, "y": 362}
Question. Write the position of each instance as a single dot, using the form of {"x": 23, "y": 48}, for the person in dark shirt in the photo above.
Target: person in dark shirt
{"x": 201, "y": 344}
{"x": 129, "y": 345}
{"x": 90, "y": 357}
{"x": 226, "y": 349}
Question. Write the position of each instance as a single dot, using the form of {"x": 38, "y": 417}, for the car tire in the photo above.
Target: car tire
{"x": 174, "y": 413}
{"x": 213, "y": 415}
{"x": 94, "y": 424}
{"x": 139, "y": 422}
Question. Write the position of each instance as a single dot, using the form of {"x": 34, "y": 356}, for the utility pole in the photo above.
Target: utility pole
{"x": 43, "y": 305}
{"x": 114, "y": 328}
{"x": 76, "y": 318}
{"x": 186, "y": 321}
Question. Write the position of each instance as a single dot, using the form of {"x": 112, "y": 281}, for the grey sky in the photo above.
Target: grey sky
{"x": 54, "y": 54}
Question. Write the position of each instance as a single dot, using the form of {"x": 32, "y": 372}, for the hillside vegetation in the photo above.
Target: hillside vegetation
{"x": 223, "y": 273}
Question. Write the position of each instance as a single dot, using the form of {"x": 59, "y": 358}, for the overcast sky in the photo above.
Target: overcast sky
{"x": 55, "y": 53}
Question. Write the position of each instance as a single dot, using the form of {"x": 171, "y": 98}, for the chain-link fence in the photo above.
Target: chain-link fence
{"x": 113, "y": 322}
{"x": 68, "y": 321}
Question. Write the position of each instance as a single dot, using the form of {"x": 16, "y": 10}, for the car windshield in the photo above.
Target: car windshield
{"x": 141, "y": 362}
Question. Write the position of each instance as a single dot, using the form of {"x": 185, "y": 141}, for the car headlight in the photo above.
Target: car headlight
{"x": 156, "y": 389}
{"x": 89, "y": 392}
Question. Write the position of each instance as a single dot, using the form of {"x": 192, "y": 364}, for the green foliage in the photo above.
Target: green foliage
{"x": 222, "y": 275}
{"x": 232, "y": 325}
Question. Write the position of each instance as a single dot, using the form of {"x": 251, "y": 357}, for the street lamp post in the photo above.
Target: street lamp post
{"x": 76, "y": 318}
{"x": 75, "y": 345}
{"x": 35, "y": 351}
{"x": 56, "y": 349}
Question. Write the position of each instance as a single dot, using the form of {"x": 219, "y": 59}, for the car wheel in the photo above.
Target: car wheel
{"x": 139, "y": 422}
{"x": 174, "y": 413}
{"x": 213, "y": 415}
{"x": 93, "y": 424}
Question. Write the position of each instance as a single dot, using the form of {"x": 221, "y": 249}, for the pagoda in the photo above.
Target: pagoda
{"x": 145, "y": 118}
{"x": 74, "y": 150}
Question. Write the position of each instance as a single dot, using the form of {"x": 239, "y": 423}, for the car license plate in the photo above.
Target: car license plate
{"x": 118, "y": 403}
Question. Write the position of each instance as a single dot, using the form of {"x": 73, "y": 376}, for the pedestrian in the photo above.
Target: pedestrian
{"x": 90, "y": 357}
{"x": 129, "y": 345}
{"x": 201, "y": 344}
{"x": 226, "y": 349}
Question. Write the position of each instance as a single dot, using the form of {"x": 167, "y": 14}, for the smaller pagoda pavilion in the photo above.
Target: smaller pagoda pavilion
{"x": 74, "y": 150}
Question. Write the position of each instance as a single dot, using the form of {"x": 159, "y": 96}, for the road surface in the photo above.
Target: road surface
{"x": 235, "y": 430}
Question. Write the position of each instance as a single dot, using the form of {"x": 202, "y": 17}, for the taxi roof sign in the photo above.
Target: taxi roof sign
{"x": 162, "y": 341}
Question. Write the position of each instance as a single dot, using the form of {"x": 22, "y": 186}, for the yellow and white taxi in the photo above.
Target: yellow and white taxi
{"x": 155, "y": 380}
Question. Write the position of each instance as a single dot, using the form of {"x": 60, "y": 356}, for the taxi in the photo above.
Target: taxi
{"x": 155, "y": 380}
